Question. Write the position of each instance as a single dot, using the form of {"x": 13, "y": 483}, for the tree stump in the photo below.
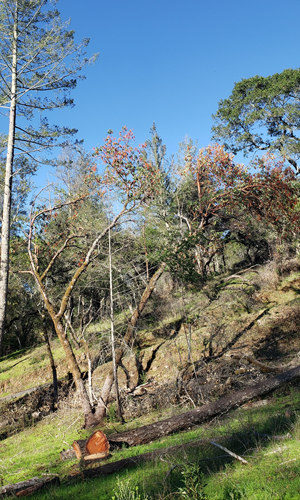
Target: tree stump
{"x": 79, "y": 447}
{"x": 97, "y": 443}
{"x": 97, "y": 446}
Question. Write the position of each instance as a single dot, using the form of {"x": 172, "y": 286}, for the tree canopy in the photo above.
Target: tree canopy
{"x": 262, "y": 113}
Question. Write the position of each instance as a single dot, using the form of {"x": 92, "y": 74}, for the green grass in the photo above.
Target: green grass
{"x": 268, "y": 476}
{"x": 27, "y": 369}
{"x": 36, "y": 451}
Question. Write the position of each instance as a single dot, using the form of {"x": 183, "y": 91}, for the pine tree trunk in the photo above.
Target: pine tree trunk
{"x": 101, "y": 408}
{"x": 5, "y": 231}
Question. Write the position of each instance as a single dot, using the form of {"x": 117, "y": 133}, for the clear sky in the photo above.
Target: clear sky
{"x": 171, "y": 61}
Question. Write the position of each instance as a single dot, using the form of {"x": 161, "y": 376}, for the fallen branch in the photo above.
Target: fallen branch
{"x": 265, "y": 368}
{"x": 230, "y": 452}
{"x": 279, "y": 450}
{"x": 273, "y": 438}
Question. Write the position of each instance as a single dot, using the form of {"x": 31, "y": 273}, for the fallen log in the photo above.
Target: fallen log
{"x": 151, "y": 432}
{"x": 25, "y": 488}
{"x": 183, "y": 421}
{"x": 196, "y": 416}
{"x": 113, "y": 467}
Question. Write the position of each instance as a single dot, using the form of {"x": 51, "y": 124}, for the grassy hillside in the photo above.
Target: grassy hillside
{"x": 191, "y": 348}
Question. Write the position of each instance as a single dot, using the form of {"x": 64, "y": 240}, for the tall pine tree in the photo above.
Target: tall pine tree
{"x": 39, "y": 63}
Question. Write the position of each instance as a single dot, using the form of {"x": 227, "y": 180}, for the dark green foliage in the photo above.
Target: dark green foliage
{"x": 233, "y": 493}
{"x": 262, "y": 113}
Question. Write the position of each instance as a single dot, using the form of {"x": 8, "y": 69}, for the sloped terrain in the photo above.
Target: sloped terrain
{"x": 198, "y": 352}
{"x": 191, "y": 348}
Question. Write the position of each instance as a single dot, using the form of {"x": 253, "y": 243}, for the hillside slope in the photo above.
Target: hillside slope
{"x": 191, "y": 348}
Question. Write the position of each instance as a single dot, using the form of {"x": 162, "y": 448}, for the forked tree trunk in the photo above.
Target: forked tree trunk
{"x": 101, "y": 408}
{"x": 89, "y": 418}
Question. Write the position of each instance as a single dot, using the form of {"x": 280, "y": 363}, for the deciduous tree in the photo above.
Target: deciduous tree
{"x": 213, "y": 190}
{"x": 127, "y": 174}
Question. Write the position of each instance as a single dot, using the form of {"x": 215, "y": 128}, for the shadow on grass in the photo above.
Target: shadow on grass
{"x": 12, "y": 366}
{"x": 164, "y": 476}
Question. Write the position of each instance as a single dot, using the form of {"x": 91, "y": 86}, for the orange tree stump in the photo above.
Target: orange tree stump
{"x": 96, "y": 445}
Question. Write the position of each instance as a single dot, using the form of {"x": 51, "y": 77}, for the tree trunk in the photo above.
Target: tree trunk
{"x": 52, "y": 364}
{"x": 155, "y": 431}
{"x": 113, "y": 350}
{"x": 101, "y": 408}
{"x": 5, "y": 231}
{"x": 25, "y": 488}
{"x": 89, "y": 417}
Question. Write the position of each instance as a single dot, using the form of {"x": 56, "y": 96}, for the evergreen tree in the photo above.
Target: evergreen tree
{"x": 262, "y": 114}
{"x": 38, "y": 65}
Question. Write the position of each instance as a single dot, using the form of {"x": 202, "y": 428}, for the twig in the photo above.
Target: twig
{"x": 279, "y": 450}
{"x": 230, "y": 453}
{"x": 70, "y": 426}
{"x": 189, "y": 397}
{"x": 172, "y": 468}
{"x": 292, "y": 460}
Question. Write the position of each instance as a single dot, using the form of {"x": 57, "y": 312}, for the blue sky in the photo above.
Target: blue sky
{"x": 171, "y": 61}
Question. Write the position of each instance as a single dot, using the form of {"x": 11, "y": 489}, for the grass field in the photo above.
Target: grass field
{"x": 272, "y": 471}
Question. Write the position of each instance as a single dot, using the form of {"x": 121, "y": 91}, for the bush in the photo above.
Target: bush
{"x": 193, "y": 484}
